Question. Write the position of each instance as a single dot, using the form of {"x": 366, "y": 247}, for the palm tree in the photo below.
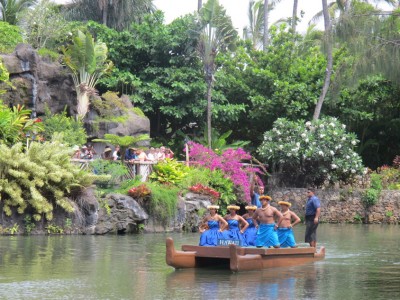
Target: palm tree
{"x": 199, "y": 4}
{"x": 217, "y": 34}
{"x": 117, "y": 14}
{"x": 328, "y": 12}
{"x": 329, "y": 64}
{"x": 258, "y": 27}
{"x": 256, "y": 20}
{"x": 294, "y": 15}
{"x": 265, "y": 40}
{"x": 87, "y": 61}
{"x": 10, "y": 8}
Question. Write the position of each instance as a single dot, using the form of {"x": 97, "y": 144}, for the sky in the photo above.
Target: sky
{"x": 238, "y": 10}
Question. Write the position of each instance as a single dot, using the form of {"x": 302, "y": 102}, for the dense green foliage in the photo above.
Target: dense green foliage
{"x": 114, "y": 169}
{"x": 10, "y": 36}
{"x": 163, "y": 201}
{"x": 73, "y": 132}
{"x": 371, "y": 195}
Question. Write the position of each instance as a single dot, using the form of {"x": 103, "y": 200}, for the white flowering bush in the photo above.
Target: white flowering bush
{"x": 311, "y": 153}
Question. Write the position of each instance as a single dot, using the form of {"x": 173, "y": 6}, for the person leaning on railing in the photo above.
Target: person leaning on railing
{"x": 130, "y": 155}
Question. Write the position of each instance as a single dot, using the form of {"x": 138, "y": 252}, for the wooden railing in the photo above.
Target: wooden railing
{"x": 135, "y": 168}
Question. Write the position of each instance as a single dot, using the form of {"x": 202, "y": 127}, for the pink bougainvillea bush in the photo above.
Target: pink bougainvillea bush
{"x": 230, "y": 162}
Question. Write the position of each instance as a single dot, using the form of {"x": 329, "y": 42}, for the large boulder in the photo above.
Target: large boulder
{"x": 123, "y": 215}
{"x": 38, "y": 82}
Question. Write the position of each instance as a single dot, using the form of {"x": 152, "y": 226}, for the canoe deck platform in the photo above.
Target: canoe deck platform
{"x": 239, "y": 258}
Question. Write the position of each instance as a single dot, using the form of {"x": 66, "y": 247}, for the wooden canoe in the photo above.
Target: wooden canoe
{"x": 239, "y": 258}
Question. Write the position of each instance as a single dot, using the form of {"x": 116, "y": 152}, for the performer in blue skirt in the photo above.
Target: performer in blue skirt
{"x": 265, "y": 217}
{"x": 285, "y": 231}
{"x": 237, "y": 225}
{"x": 212, "y": 227}
{"x": 251, "y": 231}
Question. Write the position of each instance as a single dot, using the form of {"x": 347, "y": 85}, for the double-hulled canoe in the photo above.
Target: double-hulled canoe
{"x": 239, "y": 258}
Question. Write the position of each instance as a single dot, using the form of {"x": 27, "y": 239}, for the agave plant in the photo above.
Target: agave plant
{"x": 87, "y": 60}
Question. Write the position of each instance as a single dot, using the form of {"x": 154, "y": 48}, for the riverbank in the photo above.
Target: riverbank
{"x": 121, "y": 214}
{"x": 345, "y": 205}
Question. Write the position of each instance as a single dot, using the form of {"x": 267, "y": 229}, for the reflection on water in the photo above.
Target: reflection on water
{"x": 362, "y": 262}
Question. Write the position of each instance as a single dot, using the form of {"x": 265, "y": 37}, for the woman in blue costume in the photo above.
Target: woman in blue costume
{"x": 285, "y": 231}
{"x": 237, "y": 225}
{"x": 212, "y": 227}
{"x": 251, "y": 231}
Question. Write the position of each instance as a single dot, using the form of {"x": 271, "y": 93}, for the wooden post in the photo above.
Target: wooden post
{"x": 187, "y": 154}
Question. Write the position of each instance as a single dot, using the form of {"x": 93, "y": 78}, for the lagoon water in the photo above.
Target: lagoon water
{"x": 362, "y": 262}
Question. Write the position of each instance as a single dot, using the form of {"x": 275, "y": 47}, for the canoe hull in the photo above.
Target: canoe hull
{"x": 239, "y": 258}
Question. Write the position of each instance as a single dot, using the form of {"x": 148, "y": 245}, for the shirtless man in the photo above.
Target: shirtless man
{"x": 265, "y": 217}
{"x": 285, "y": 232}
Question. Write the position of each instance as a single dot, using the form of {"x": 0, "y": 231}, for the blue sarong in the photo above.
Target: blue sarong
{"x": 267, "y": 236}
{"x": 211, "y": 236}
{"x": 286, "y": 237}
{"x": 250, "y": 233}
{"x": 233, "y": 233}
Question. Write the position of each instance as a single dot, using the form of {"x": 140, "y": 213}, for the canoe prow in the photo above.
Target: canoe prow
{"x": 179, "y": 259}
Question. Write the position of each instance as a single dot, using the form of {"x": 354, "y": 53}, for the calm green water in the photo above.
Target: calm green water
{"x": 362, "y": 262}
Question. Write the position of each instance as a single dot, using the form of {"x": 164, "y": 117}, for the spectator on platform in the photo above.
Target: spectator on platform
{"x": 107, "y": 153}
{"x": 77, "y": 152}
{"x": 116, "y": 154}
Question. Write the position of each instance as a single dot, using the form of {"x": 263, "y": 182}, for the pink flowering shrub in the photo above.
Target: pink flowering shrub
{"x": 229, "y": 162}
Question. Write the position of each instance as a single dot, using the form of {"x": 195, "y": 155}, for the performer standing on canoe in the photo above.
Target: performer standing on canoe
{"x": 265, "y": 217}
{"x": 251, "y": 231}
{"x": 237, "y": 225}
{"x": 216, "y": 225}
{"x": 285, "y": 231}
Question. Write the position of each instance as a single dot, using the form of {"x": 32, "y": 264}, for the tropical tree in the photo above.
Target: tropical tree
{"x": 199, "y": 4}
{"x": 329, "y": 63}
{"x": 87, "y": 60}
{"x": 117, "y": 14}
{"x": 43, "y": 24}
{"x": 217, "y": 34}
{"x": 294, "y": 15}
{"x": 9, "y": 9}
{"x": 266, "y": 15}
{"x": 256, "y": 20}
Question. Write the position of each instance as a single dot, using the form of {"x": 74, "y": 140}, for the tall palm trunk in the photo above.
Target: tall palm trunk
{"x": 294, "y": 15}
{"x": 209, "y": 80}
{"x": 265, "y": 41}
{"x": 199, "y": 4}
{"x": 329, "y": 65}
